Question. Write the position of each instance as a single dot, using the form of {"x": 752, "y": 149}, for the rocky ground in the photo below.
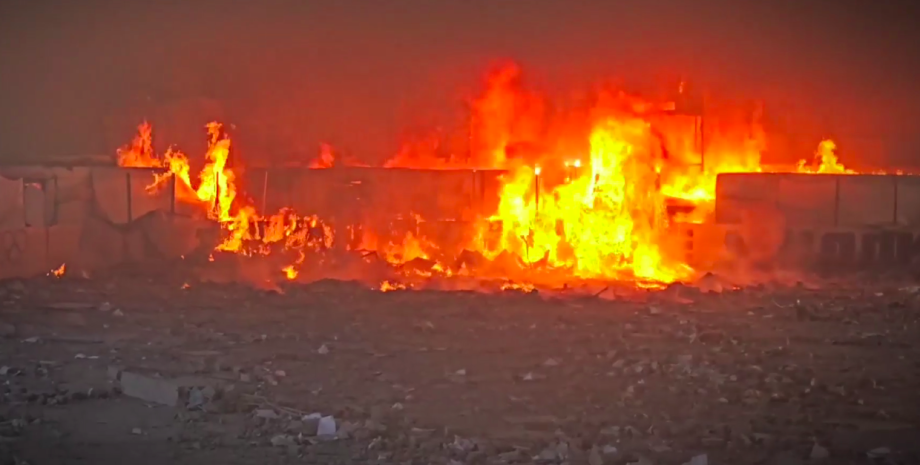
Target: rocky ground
{"x": 148, "y": 371}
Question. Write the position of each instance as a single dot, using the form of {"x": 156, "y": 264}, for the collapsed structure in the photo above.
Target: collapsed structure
{"x": 619, "y": 188}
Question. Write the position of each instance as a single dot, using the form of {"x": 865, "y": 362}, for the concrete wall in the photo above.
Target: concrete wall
{"x": 836, "y": 221}
{"x": 93, "y": 218}
{"x": 89, "y": 218}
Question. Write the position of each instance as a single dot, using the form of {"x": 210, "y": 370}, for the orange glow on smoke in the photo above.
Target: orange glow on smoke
{"x": 585, "y": 194}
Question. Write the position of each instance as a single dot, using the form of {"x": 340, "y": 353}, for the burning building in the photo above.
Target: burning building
{"x": 614, "y": 188}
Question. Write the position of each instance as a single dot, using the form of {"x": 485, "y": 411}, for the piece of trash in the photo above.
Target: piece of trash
{"x": 326, "y": 426}
{"x": 551, "y": 362}
{"x": 878, "y": 452}
{"x": 4, "y": 370}
{"x": 323, "y": 350}
{"x": 460, "y": 372}
{"x": 79, "y": 356}
{"x": 280, "y": 373}
{"x": 118, "y": 312}
{"x": 137, "y": 431}
{"x": 397, "y": 406}
{"x": 312, "y": 416}
{"x": 31, "y": 340}
{"x": 818, "y": 452}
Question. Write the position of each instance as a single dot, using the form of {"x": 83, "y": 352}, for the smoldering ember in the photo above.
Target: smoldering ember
{"x": 618, "y": 279}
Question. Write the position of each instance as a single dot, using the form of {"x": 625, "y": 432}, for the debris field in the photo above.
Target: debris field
{"x": 128, "y": 369}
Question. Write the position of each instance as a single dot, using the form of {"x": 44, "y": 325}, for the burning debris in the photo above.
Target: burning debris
{"x": 587, "y": 195}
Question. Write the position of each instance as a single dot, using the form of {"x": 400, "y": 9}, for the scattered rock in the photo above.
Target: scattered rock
{"x": 878, "y": 453}
{"x": 137, "y": 431}
{"x": 323, "y": 350}
{"x": 326, "y": 427}
{"x": 118, "y": 312}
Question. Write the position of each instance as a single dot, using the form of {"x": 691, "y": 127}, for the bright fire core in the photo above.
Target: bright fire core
{"x": 584, "y": 194}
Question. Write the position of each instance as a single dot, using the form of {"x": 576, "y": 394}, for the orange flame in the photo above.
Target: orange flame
{"x": 585, "y": 195}
{"x": 59, "y": 271}
{"x": 326, "y": 158}
{"x": 826, "y": 160}
{"x": 388, "y": 286}
{"x": 216, "y": 193}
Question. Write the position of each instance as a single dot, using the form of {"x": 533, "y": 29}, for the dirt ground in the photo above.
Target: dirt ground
{"x": 768, "y": 374}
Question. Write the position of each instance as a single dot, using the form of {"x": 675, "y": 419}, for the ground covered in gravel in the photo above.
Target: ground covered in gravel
{"x": 778, "y": 374}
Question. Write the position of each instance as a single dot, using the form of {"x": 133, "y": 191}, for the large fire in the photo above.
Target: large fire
{"x": 584, "y": 194}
